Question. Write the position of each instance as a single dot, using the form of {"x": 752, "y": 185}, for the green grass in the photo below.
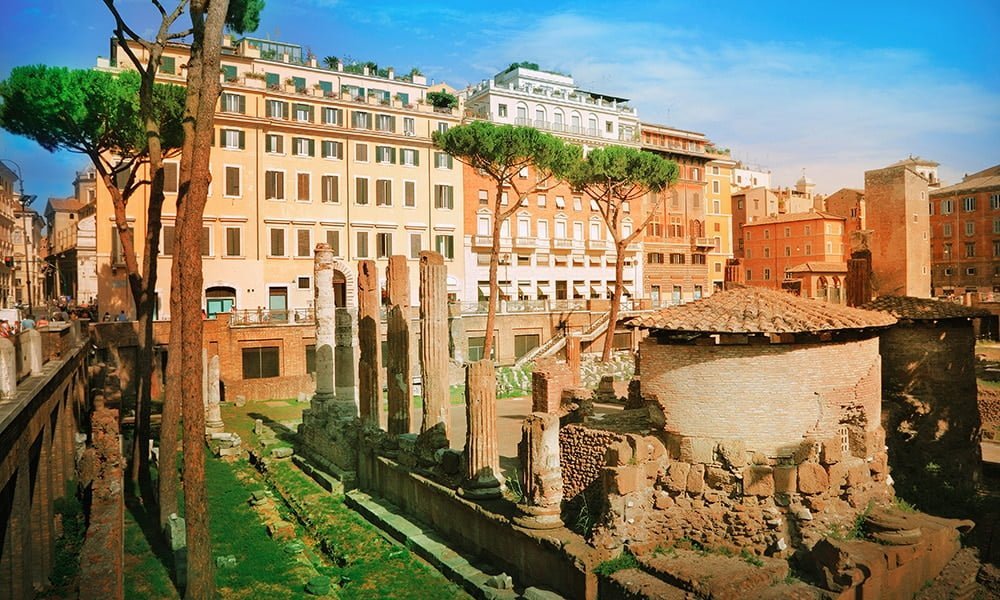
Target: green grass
{"x": 623, "y": 561}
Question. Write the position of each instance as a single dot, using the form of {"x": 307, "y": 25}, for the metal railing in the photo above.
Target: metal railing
{"x": 265, "y": 316}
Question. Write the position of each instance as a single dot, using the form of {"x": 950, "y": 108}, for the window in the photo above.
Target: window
{"x": 946, "y": 251}
{"x": 484, "y": 197}
{"x": 303, "y": 184}
{"x": 577, "y": 204}
{"x": 444, "y": 196}
{"x": 261, "y": 363}
{"x": 502, "y": 110}
{"x": 476, "y": 346}
{"x": 767, "y": 234}
{"x": 169, "y": 178}
{"x": 303, "y": 243}
{"x": 947, "y": 207}
{"x": 749, "y": 275}
{"x": 970, "y": 270}
{"x": 385, "y": 154}
{"x": 303, "y": 147}
{"x": 409, "y": 126}
{"x": 788, "y": 250}
{"x": 525, "y": 343}
{"x": 996, "y": 247}
{"x": 276, "y": 109}
{"x": 383, "y": 245}
{"x": 304, "y": 284}
{"x": 716, "y": 206}
{"x": 969, "y": 204}
{"x": 383, "y": 192}
{"x": 232, "y": 139}
{"x": 715, "y": 186}
{"x": 676, "y": 258}
{"x": 946, "y": 230}
{"x": 541, "y": 201}
{"x": 385, "y": 123}
{"x": 206, "y": 241}
{"x": 303, "y": 113}
{"x": 767, "y": 274}
{"x": 274, "y": 185}
{"x": 409, "y": 157}
{"x": 232, "y": 188}
{"x": 442, "y": 127}
{"x": 333, "y": 116}
{"x": 788, "y": 232}
{"x": 560, "y": 202}
{"x": 330, "y": 188}
{"x": 361, "y": 190}
{"x": 234, "y": 246}
{"x": 443, "y": 160}
{"x": 409, "y": 194}
{"x": 698, "y": 259}
{"x": 361, "y": 152}
{"x": 167, "y": 243}
{"x": 715, "y": 170}
{"x": 234, "y": 103}
{"x": 274, "y": 143}
{"x": 168, "y": 65}
{"x": 362, "y": 245}
{"x": 654, "y": 229}
{"x": 332, "y": 149}
{"x": 970, "y": 228}
{"x": 445, "y": 245}
{"x": 333, "y": 241}
{"x": 361, "y": 120}
{"x": 277, "y": 242}
{"x": 654, "y": 258}
{"x": 970, "y": 249}
{"x": 416, "y": 244}
{"x": 995, "y": 201}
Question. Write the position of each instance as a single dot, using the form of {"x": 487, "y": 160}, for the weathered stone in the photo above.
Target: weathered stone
{"x": 258, "y": 426}
{"x": 31, "y": 346}
{"x": 857, "y": 473}
{"x": 542, "y": 476}
{"x": 213, "y": 410}
{"x": 785, "y": 479}
{"x": 303, "y": 398}
{"x": 176, "y": 533}
{"x": 813, "y": 478}
{"x": 573, "y": 357}
{"x": 8, "y": 368}
{"x": 502, "y": 581}
{"x": 481, "y": 452}
{"x": 324, "y": 306}
{"x": 344, "y": 362}
{"x": 625, "y": 480}
{"x": 534, "y": 593}
{"x": 398, "y": 345}
{"x": 240, "y": 401}
{"x": 837, "y": 475}
{"x": 696, "y": 450}
{"x": 618, "y": 453}
{"x": 434, "y": 345}
{"x": 733, "y": 453}
{"x": 225, "y": 562}
{"x": 663, "y": 501}
{"x": 833, "y": 451}
{"x": 676, "y": 476}
{"x": 718, "y": 478}
{"x": 369, "y": 345}
{"x": 283, "y": 452}
{"x": 318, "y": 585}
{"x": 808, "y": 450}
{"x": 758, "y": 480}
{"x": 696, "y": 479}
{"x": 451, "y": 461}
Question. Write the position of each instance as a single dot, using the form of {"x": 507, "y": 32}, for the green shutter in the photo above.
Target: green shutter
{"x": 312, "y": 113}
{"x": 404, "y": 98}
{"x": 229, "y": 72}
{"x": 168, "y": 65}
{"x": 312, "y": 147}
{"x": 272, "y": 79}
{"x": 243, "y": 140}
{"x": 392, "y": 155}
{"x": 326, "y": 86}
{"x": 243, "y": 104}
{"x": 222, "y": 138}
{"x": 299, "y": 82}
{"x": 451, "y": 163}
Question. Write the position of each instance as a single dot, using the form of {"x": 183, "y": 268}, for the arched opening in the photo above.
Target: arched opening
{"x": 339, "y": 289}
{"x": 219, "y": 299}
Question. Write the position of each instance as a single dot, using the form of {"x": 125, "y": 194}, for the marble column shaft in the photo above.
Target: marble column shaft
{"x": 482, "y": 456}
{"x": 344, "y": 360}
{"x": 541, "y": 473}
{"x": 369, "y": 344}
{"x": 398, "y": 345}
{"x": 434, "y": 342}
{"x": 324, "y": 307}
{"x": 213, "y": 413}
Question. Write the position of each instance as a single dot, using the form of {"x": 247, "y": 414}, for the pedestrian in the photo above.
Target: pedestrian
{"x": 5, "y": 330}
{"x": 107, "y": 317}
{"x": 122, "y": 317}
{"x": 28, "y": 322}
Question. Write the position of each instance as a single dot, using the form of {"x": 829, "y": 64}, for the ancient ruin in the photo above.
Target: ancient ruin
{"x": 370, "y": 381}
{"x": 400, "y": 388}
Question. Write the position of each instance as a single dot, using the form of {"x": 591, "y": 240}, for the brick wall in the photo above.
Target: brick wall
{"x": 770, "y": 396}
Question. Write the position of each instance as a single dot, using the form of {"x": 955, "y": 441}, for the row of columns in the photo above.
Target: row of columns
{"x": 539, "y": 449}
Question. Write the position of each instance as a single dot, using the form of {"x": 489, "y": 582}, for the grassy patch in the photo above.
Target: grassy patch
{"x": 623, "y": 561}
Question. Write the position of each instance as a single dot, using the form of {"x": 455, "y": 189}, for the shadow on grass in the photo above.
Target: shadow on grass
{"x": 146, "y": 516}
{"x": 281, "y": 431}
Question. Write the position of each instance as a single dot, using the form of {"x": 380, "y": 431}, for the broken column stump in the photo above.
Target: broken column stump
{"x": 213, "y": 410}
{"x": 434, "y": 351}
{"x": 482, "y": 457}
{"x": 102, "y": 564}
{"x": 541, "y": 474}
{"x": 398, "y": 345}
{"x": 324, "y": 308}
{"x": 369, "y": 345}
{"x": 343, "y": 362}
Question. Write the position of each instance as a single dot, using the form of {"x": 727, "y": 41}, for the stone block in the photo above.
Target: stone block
{"x": 785, "y": 479}
{"x": 663, "y": 501}
{"x": 838, "y": 475}
{"x": 758, "y": 480}
{"x": 655, "y": 447}
{"x": 832, "y": 452}
{"x": 240, "y": 400}
{"x": 676, "y": 477}
{"x": 625, "y": 480}
{"x": 638, "y": 445}
{"x": 283, "y": 452}
{"x": 697, "y": 450}
{"x": 618, "y": 454}
{"x": 696, "y": 479}
{"x": 733, "y": 453}
{"x": 451, "y": 461}
{"x": 808, "y": 450}
{"x": 857, "y": 473}
{"x": 813, "y": 478}
{"x": 718, "y": 478}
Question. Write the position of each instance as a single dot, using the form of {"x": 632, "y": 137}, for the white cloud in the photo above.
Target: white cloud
{"x": 833, "y": 110}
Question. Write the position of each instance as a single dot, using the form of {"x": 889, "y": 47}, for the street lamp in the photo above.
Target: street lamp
{"x": 25, "y": 200}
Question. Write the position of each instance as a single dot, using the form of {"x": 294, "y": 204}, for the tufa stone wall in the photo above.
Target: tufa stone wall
{"x": 745, "y": 392}
{"x": 581, "y": 451}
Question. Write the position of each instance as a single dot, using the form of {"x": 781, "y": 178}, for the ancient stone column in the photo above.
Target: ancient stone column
{"x": 8, "y": 368}
{"x": 204, "y": 376}
{"x": 434, "y": 347}
{"x": 369, "y": 344}
{"x": 324, "y": 307}
{"x": 398, "y": 345}
{"x": 482, "y": 457}
{"x": 344, "y": 361}
{"x": 213, "y": 412}
{"x": 573, "y": 357}
{"x": 32, "y": 348}
{"x": 541, "y": 474}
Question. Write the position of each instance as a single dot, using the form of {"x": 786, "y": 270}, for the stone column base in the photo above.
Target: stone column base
{"x": 484, "y": 487}
{"x": 538, "y": 517}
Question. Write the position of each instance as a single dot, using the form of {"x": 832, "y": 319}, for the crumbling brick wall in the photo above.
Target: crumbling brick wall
{"x": 581, "y": 452}
{"x": 102, "y": 555}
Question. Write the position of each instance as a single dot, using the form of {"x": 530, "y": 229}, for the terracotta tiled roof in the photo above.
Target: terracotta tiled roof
{"x": 918, "y": 309}
{"x": 792, "y": 217}
{"x": 819, "y": 267}
{"x": 759, "y": 310}
{"x": 971, "y": 184}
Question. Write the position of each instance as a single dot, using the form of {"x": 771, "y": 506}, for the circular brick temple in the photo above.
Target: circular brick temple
{"x": 766, "y": 424}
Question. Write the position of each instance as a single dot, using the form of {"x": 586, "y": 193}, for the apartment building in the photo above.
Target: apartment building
{"x": 556, "y": 247}
{"x": 798, "y": 251}
{"x": 896, "y": 213}
{"x": 304, "y": 154}
{"x": 750, "y": 176}
{"x": 850, "y": 204}
{"x": 70, "y": 226}
{"x": 965, "y": 236}
{"x": 687, "y": 242}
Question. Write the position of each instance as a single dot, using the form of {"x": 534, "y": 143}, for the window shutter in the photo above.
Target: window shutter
{"x": 222, "y": 138}
{"x": 312, "y": 112}
{"x": 312, "y": 147}
{"x": 243, "y": 140}
{"x": 450, "y": 162}
{"x": 243, "y": 104}
{"x": 392, "y": 155}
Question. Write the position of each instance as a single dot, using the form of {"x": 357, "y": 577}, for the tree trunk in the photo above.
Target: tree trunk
{"x": 616, "y": 298}
{"x": 491, "y": 308}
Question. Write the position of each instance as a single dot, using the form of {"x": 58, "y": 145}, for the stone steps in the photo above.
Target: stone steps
{"x": 636, "y": 584}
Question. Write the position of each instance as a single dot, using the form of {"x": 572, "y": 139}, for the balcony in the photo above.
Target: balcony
{"x": 482, "y": 241}
{"x": 524, "y": 241}
{"x": 561, "y": 244}
{"x": 578, "y": 244}
{"x": 598, "y": 245}
{"x": 702, "y": 242}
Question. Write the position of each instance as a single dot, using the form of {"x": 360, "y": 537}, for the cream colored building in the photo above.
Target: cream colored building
{"x": 303, "y": 154}
{"x": 8, "y": 206}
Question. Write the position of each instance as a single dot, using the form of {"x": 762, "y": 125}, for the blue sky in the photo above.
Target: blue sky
{"x": 832, "y": 88}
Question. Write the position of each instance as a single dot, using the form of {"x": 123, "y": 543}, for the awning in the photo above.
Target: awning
{"x": 579, "y": 289}
{"x": 484, "y": 291}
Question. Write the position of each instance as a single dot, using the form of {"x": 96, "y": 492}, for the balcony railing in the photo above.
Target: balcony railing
{"x": 524, "y": 241}
{"x": 702, "y": 242}
{"x": 561, "y": 244}
{"x": 264, "y": 316}
{"x": 482, "y": 241}
{"x": 598, "y": 245}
